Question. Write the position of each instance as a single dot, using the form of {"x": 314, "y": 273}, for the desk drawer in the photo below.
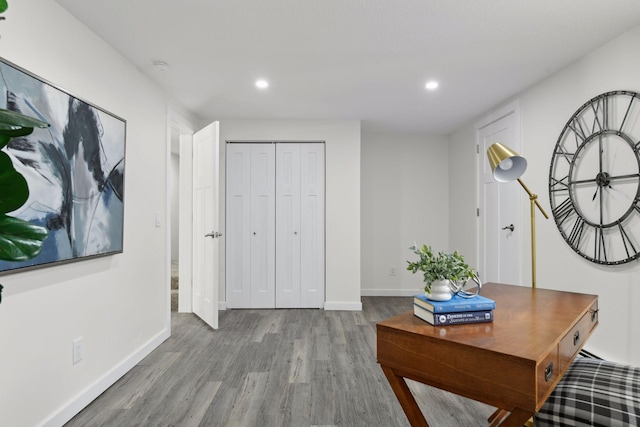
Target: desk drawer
{"x": 575, "y": 339}
{"x": 547, "y": 374}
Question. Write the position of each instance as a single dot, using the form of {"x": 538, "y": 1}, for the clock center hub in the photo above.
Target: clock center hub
{"x": 602, "y": 179}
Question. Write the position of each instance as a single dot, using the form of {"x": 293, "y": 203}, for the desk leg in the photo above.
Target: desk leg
{"x": 406, "y": 399}
{"x": 497, "y": 417}
{"x": 516, "y": 418}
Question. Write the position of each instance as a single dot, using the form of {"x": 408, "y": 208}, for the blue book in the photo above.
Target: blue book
{"x": 456, "y": 304}
{"x": 454, "y": 318}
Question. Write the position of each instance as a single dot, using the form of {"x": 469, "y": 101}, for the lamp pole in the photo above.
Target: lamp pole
{"x": 533, "y": 199}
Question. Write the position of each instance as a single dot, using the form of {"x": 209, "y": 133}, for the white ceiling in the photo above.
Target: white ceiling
{"x": 353, "y": 59}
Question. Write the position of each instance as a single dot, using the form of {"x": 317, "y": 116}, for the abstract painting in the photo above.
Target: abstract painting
{"x": 74, "y": 170}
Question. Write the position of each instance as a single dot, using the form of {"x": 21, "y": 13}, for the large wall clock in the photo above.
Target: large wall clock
{"x": 594, "y": 179}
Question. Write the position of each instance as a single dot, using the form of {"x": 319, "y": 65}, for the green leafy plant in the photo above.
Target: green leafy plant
{"x": 20, "y": 240}
{"x": 440, "y": 266}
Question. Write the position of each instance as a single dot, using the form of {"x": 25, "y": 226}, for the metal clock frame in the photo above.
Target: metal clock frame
{"x": 585, "y": 134}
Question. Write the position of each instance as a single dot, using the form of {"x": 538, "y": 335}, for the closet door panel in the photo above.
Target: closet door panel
{"x": 312, "y": 220}
{"x": 288, "y": 225}
{"x": 262, "y": 265}
{"x": 238, "y": 227}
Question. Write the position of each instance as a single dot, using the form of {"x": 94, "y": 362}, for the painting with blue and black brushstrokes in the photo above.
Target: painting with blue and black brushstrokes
{"x": 74, "y": 169}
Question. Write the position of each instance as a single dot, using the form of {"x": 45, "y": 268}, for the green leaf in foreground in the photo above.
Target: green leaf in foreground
{"x": 6, "y": 134}
{"x": 13, "y": 120}
{"x": 20, "y": 240}
{"x": 3, "y": 8}
{"x": 14, "y": 190}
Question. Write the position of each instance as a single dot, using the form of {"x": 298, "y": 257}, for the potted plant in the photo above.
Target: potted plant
{"x": 442, "y": 271}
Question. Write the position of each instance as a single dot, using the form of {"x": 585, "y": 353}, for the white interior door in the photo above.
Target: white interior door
{"x": 499, "y": 248}
{"x": 263, "y": 211}
{"x": 206, "y": 223}
{"x": 300, "y": 225}
{"x": 238, "y": 226}
{"x": 312, "y": 225}
{"x": 288, "y": 232}
{"x": 250, "y": 242}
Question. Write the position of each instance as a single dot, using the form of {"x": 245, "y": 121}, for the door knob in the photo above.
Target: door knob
{"x": 213, "y": 234}
{"x": 509, "y": 227}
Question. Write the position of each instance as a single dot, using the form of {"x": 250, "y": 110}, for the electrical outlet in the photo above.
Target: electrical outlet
{"x": 78, "y": 350}
{"x": 392, "y": 270}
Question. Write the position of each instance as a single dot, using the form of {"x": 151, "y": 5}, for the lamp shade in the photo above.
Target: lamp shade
{"x": 506, "y": 164}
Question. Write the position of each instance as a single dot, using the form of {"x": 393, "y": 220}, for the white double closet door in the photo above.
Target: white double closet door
{"x": 275, "y": 225}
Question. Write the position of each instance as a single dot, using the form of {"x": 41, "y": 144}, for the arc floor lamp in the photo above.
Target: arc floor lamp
{"x": 507, "y": 166}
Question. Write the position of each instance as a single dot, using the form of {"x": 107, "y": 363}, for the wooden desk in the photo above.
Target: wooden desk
{"x": 513, "y": 363}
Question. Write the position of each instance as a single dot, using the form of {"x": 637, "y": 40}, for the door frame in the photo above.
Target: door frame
{"x": 178, "y": 125}
{"x": 499, "y": 113}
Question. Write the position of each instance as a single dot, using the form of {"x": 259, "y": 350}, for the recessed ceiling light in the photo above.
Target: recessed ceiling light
{"x": 432, "y": 85}
{"x": 160, "y": 65}
{"x": 262, "y": 84}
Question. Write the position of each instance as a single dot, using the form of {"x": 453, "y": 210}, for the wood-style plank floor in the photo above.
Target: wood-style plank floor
{"x": 272, "y": 368}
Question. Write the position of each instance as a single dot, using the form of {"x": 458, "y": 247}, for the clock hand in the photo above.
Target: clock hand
{"x": 601, "y": 151}
{"x": 582, "y": 181}
{"x": 631, "y": 175}
{"x": 601, "y": 203}
{"x": 605, "y": 180}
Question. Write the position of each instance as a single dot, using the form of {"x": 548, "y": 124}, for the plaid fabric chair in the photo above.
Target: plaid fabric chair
{"x": 594, "y": 393}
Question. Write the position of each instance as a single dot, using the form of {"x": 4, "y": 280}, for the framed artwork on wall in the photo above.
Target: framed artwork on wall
{"x": 74, "y": 170}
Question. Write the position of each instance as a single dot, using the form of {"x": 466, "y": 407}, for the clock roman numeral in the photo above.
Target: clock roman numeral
{"x": 626, "y": 114}
{"x": 563, "y": 211}
{"x": 559, "y": 184}
{"x": 599, "y": 250}
{"x": 601, "y": 114}
{"x": 578, "y": 129}
{"x": 626, "y": 241}
{"x": 560, "y": 151}
{"x": 576, "y": 232}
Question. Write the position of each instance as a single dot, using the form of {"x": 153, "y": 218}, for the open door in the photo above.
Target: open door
{"x": 206, "y": 235}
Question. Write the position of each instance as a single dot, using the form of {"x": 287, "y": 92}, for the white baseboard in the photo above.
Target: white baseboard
{"x": 329, "y": 306}
{"x": 342, "y": 306}
{"x": 390, "y": 292}
{"x": 78, "y": 403}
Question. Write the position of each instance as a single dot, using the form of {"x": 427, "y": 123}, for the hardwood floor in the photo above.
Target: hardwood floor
{"x": 272, "y": 368}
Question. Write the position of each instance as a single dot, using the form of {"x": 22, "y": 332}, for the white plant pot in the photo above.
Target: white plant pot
{"x": 440, "y": 291}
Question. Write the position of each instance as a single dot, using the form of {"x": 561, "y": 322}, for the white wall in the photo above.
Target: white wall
{"x": 545, "y": 108}
{"x": 405, "y": 199}
{"x": 463, "y": 199}
{"x": 118, "y": 304}
{"x": 342, "y": 167}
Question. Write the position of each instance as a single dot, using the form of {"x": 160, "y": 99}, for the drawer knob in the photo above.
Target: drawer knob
{"x": 594, "y": 315}
{"x": 576, "y": 338}
{"x": 548, "y": 371}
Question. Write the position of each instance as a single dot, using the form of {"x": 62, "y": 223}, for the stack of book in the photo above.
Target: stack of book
{"x": 456, "y": 311}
